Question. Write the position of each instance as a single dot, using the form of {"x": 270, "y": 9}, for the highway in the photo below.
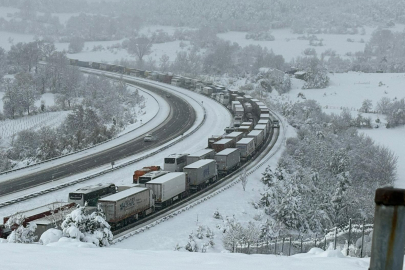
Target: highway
{"x": 181, "y": 118}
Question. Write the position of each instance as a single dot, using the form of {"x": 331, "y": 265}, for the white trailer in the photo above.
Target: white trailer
{"x": 168, "y": 188}
{"x": 265, "y": 116}
{"x": 262, "y": 127}
{"x": 208, "y": 91}
{"x": 265, "y": 122}
{"x": 201, "y": 173}
{"x": 142, "y": 180}
{"x": 227, "y": 160}
{"x": 258, "y": 136}
{"x": 235, "y": 136}
{"x": 234, "y": 103}
{"x": 246, "y": 147}
{"x": 201, "y": 154}
{"x": 127, "y": 206}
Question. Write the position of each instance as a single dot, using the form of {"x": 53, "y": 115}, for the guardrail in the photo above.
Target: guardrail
{"x": 234, "y": 179}
{"x": 83, "y": 179}
{"x": 84, "y": 149}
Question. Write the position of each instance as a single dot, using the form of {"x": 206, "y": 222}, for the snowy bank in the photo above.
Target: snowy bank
{"x": 62, "y": 257}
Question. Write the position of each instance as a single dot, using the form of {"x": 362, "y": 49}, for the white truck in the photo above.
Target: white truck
{"x": 262, "y": 127}
{"x": 201, "y": 173}
{"x": 227, "y": 160}
{"x": 168, "y": 188}
{"x": 235, "y": 136}
{"x": 201, "y": 154}
{"x": 127, "y": 206}
{"x": 258, "y": 136}
{"x": 142, "y": 180}
{"x": 246, "y": 147}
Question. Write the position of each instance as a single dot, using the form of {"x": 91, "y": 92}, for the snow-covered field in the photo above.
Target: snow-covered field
{"x": 289, "y": 46}
{"x": 350, "y": 90}
{"x": 56, "y": 257}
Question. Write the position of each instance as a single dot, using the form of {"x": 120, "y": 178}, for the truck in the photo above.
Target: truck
{"x": 258, "y": 136}
{"x": 223, "y": 144}
{"x": 262, "y": 127}
{"x": 150, "y": 176}
{"x": 201, "y": 173}
{"x": 246, "y": 147}
{"x": 235, "y": 136}
{"x": 207, "y": 91}
{"x": 244, "y": 129}
{"x": 201, "y": 154}
{"x": 233, "y": 104}
{"x": 168, "y": 188}
{"x": 276, "y": 124}
{"x": 127, "y": 206}
{"x": 227, "y": 160}
{"x": 143, "y": 171}
{"x": 213, "y": 139}
{"x": 239, "y": 112}
{"x": 265, "y": 116}
{"x": 265, "y": 122}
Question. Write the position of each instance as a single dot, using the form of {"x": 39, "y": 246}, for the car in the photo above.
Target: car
{"x": 168, "y": 95}
{"x": 148, "y": 138}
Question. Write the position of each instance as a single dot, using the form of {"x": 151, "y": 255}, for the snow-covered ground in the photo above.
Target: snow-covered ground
{"x": 217, "y": 119}
{"x": 350, "y": 90}
{"x": 56, "y": 257}
{"x": 289, "y": 46}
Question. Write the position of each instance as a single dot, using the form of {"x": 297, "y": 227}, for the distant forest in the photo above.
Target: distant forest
{"x": 328, "y": 16}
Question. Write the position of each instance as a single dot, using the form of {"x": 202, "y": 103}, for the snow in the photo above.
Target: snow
{"x": 65, "y": 255}
{"x": 50, "y": 236}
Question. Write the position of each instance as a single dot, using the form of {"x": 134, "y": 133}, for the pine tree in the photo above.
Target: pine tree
{"x": 340, "y": 200}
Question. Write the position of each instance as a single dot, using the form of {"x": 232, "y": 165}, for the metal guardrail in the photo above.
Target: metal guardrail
{"x": 83, "y": 179}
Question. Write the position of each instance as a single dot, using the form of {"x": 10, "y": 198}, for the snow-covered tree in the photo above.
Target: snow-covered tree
{"x": 22, "y": 234}
{"x": 366, "y": 106}
{"x": 87, "y": 228}
{"x": 340, "y": 200}
{"x": 243, "y": 179}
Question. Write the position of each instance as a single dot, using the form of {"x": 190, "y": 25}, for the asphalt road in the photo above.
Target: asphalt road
{"x": 181, "y": 118}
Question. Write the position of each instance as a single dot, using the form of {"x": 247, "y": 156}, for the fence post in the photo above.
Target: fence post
{"x": 275, "y": 246}
{"x": 289, "y": 247}
{"x": 301, "y": 243}
{"x": 335, "y": 236}
{"x": 267, "y": 243}
{"x": 387, "y": 248}
{"x": 324, "y": 247}
{"x": 282, "y": 247}
{"x": 316, "y": 236}
{"x": 362, "y": 240}
{"x": 348, "y": 239}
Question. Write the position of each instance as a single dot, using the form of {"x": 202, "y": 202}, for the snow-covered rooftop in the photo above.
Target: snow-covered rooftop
{"x": 227, "y": 151}
{"x": 123, "y": 194}
{"x": 166, "y": 177}
{"x": 199, "y": 163}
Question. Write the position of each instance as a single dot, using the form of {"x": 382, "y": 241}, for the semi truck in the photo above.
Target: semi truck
{"x": 227, "y": 160}
{"x": 168, "y": 188}
{"x": 201, "y": 154}
{"x": 201, "y": 173}
{"x": 246, "y": 147}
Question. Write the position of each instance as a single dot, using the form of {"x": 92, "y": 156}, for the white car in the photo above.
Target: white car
{"x": 148, "y": 138}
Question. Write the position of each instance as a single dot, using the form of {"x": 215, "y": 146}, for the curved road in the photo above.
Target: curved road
{"x": 181, "y": 118}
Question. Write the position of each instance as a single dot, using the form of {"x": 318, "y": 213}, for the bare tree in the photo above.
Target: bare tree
{"x": 164, "y": 62}
{"x": 243, "y": 179}
{"x": 140, "y": 47}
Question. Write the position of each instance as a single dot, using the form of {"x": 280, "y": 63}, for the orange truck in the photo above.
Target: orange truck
{"x": 143, "y": 171}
